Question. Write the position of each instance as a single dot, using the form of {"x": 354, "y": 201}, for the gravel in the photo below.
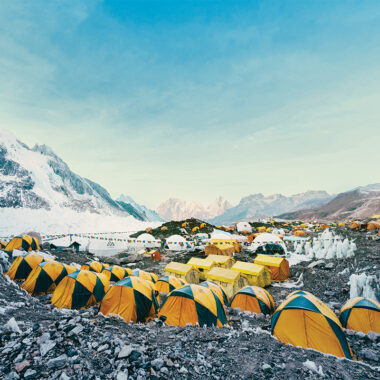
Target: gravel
{"x": 69, "y": 344}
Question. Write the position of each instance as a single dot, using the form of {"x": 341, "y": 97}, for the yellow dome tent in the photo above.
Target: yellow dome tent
{"x": 26, "y": 242}
{"x": 3, "y": 244}
{"x": 166, "y": 284}
{"x": 116, "y": 273}
{"x": 278, "y": 266}
{"x": 152, "y": 277}
{"x": 80, "y": 289}
{"x": 372, "y": 226}
{"x": 303, "y": 320}
{"x": 193, "y": 304}
{"x": 361, "y": 314}
{"x": 94, "y": 266}
{"x": 45, "y": 277}
{"x": 253, "y": 299}
{"x": 218, "y": 290}
{"x": 23, "y": 265}
{"x": 132, "y": 298}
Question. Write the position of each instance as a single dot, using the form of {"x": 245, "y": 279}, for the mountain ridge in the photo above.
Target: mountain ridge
{"x": 360, "y": 202}
{"x": 38, "y": 178}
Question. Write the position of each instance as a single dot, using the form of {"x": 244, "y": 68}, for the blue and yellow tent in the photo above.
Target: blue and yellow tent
{"x": 94, "y": 266}
{"x": 46, "y": 276}
{"x": 193, "y": 304}
{"x": 303, "y": 320}
{"x": 166, "y": 284}
{"x": 80, "y": 289}
{"x": 116, "y": 273}
{"x": 145, "y": 275}
{"x": 254, "y": 299}
{"x": 26, "y": 242}
{"x": 218, "y": 290}
{"x": 132, "y": 298}
{"x": 361, "y": 314}
{"x": 23, "y": 266}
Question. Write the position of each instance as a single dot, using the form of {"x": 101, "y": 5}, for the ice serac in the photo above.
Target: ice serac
{"x": 36, "y": 178}
{"x": 178, "y": 209}
{"x": 257, "y": 205}
{"x": 361, "y": 202}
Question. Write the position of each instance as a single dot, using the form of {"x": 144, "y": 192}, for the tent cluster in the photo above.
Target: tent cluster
{"x": 301, "y": 319}
{"x": 228, "y": 273}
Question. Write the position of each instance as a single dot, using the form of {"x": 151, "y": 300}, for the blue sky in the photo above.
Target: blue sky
{"x": 197, "y": 99}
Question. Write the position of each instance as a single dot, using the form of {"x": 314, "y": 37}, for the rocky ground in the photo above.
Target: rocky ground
{"x": 37, "y": 341}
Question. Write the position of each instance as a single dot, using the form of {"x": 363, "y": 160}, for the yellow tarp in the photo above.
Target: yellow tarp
{"x": 200, "y": 263}
{"x": 179, "y": 268}
{"x": 223, "y": 275}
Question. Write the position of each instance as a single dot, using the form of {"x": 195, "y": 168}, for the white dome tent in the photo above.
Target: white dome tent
{"x": 147, "y": 240}
{"x": 265, "y": 238}
{"x": 244, "y": 226}
{"x": 176, "y": 243}
{"x": 220, "y": 235}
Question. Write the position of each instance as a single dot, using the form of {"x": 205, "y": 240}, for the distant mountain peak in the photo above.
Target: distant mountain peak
{"x": 258, "y": 205}
{"x": 177, "y": 209}
{"x": 360, "y": 202}
{"x": 37, "y": 178}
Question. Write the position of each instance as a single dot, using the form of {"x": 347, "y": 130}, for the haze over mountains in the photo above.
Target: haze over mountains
{"x": 36, "y": 178}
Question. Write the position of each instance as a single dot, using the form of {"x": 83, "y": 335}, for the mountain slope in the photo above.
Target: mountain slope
{"x": 127, "y": 202}
{"x": 177, "y": 209}
{"x": 37, "y": 178}
{"x": 361, "y": 202}
{"x": 260, "y": 205}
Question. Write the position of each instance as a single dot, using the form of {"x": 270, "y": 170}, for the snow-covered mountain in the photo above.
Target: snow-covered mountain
{"x": 177, "y": 209}
{"x": 361, "y": 202}
{"x": 36, "y": 178}
{"x": 259, "y": 205}
{"x": 143, "y": 210}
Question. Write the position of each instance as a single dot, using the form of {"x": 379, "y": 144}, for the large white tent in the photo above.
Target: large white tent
{"x": 147, "y": 240}
{"x": 176, "y": 243}
{"x": 244, "y": 226}
{"x": 265, "y": 238}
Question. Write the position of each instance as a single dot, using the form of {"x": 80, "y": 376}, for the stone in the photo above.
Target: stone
{"x": 125, "y": 352}
{"x": 19, "y": 367}
{"x": 135, "y": 355}
{"x": 76, "y": 330}
{"x": 102, "y": 347}
{"x": 183, "y": 370}
{"x": 369, "y": 354}
{"x": 157, "y": 364}
{"x": 122, "y": 375}
{"x": 12, "y": 376}
{"x": 57, "y": 362}
{"x": 46, "y": 346}
{"x": 30, "y": 374}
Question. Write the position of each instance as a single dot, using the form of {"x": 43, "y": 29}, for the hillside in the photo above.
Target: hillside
{"x": 361, "y": 202}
